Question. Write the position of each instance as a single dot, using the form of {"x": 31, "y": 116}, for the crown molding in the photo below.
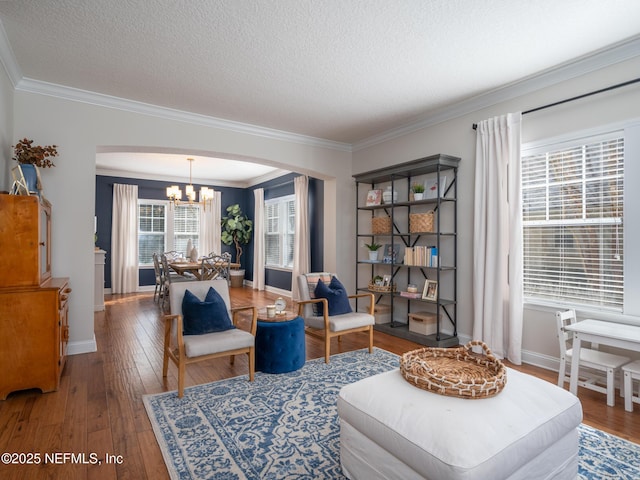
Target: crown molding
{"x": 108, "y": 101}
{"x": 601, "y": 59}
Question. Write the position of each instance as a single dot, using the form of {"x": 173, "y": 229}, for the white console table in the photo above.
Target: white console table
{"x": 98, "y": 283}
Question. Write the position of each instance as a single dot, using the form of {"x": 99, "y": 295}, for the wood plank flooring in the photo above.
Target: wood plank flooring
{"x": 98, "y": 413}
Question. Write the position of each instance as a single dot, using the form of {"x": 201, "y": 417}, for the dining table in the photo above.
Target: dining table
{"x": 619, "y": 335}
{"x": 195, "y": 268}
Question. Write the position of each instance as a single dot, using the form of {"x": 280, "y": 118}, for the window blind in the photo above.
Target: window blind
{"x": 572, "y": 223}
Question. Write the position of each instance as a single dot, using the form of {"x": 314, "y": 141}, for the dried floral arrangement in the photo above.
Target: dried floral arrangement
{"x": 25, "y": 152}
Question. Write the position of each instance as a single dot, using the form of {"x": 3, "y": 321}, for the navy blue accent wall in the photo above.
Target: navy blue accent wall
{"x": 282, "y": 187}
{"x": 156, "y": 190}
{"x": 148, "y": 190}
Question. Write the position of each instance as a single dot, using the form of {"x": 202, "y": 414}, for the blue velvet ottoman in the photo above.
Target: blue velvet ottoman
{"x": 280, "y": 346}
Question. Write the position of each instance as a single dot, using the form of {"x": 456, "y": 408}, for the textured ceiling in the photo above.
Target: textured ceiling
{"x": 341, "y": 70}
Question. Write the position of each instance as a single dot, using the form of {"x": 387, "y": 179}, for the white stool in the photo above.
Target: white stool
{"x": 631, "y": 372}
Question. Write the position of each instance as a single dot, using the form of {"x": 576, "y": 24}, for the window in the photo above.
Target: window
{"x": 162, "y": 228}
{"x": 572, "y": 197}
{"x": 279, "y": 231}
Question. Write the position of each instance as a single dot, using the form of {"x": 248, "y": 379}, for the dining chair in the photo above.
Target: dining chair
{"x": 590, "y": 358}
{"x": 169, "y": 277}
{"x": 327, "y": 312}
{"x": 157, "y": 293}
{"x": 215, "y": 266}
{"x": 202, "y": 325}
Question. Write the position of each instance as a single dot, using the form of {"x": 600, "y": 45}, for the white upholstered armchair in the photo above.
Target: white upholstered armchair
{"x": 329, "y": 320}
{"x": 184, "y": 348}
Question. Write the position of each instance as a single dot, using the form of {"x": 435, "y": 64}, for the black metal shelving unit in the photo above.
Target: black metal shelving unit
{"x": 445, "y": 274}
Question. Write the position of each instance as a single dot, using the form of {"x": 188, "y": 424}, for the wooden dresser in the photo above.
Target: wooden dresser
{"x": 34, "y": 325}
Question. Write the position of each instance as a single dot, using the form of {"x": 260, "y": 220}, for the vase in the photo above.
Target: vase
{"x": 418, "y": 196}
{"x": 373, "y": 255}
{"x": 30, "y": 174}
{"x": 390, "y": 196}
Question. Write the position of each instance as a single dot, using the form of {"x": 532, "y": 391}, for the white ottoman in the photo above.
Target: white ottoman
{"x": 390, "y": 429}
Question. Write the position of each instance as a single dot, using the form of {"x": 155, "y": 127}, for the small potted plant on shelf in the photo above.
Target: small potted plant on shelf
{"x": 418, "y": 191}
{"x": 373, "y": 248}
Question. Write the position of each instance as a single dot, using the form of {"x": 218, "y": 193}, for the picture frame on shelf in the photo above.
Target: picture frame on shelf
{"x": 430, "y": 290}
{"x": 431, "y": 187}
{"x": 386, "y": 280}
{"x": 374, "y": 197}
{"x": 392, "y": 254}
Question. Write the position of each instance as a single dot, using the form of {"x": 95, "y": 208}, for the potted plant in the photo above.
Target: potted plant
{"x": 373, "y": 250}
{"x": 418, "y": 191}
{"x": 236, "y": 230}
{"x": 29, "y": 157}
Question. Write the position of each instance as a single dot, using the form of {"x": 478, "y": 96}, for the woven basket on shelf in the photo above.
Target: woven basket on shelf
{"x": 456, "y": 372}
{"x": 380, "y": 225}
{"x": 421, "y": 222}
{"x": 382, "y": 289}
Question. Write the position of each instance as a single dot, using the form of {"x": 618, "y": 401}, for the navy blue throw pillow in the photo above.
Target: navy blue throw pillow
{"x": 206, "y": 316}
{"x": 336, "y": 296}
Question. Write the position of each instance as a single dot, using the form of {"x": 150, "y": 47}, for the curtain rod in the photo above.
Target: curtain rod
{"x": 566, "y": 100}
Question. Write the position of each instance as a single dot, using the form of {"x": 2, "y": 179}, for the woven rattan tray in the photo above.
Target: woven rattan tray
{"x": 456, "y": 372}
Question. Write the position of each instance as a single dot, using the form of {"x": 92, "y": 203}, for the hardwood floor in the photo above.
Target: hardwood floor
{"x": 98, "y": 409}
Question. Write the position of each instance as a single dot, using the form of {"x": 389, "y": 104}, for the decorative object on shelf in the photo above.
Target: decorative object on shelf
{"x": 430, "y": 290}
{"x": 410, "y": 294}
{"x": 412, "y": 288}
{"x": 26, "y": 176}
{"x": 377, "y": 280}
{"x": 431, "y": 187}
{"x": 280, "y": 305}
{"x": 374, "y": 197}
{"x": 418, "y": 191}
{"x": 455, "y": 372}
{"x": 386, "y": 280}
{"x": 373, "y": 248}
{"x": 378, "y": 287}
{"x": 381, "y": 225}
{"x": 175, "y": 194}
{"x": 421, "y": 222}
{"x": 392, "y": 254}
{"x": 389, "y": 195}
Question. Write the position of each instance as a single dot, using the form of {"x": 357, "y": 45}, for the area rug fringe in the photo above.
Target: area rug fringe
{"x": 286, "y": 426}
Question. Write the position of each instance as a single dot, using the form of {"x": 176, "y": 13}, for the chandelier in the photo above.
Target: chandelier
{"x": 175, "y": 194}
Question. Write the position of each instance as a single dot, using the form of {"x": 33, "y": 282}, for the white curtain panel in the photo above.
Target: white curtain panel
{"x": 301, "y": 262}
{"x": 258, "y": 240}
{"x": 124, "y": 239}
{"x": 497, "y": 248}
{"x": 210, "y": 228}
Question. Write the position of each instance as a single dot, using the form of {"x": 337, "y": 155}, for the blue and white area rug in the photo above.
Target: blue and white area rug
{"x": 286, "y": 426}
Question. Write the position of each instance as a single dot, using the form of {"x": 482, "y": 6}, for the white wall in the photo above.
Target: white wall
{"x": 79, "y": 128}
{"x": 456, "y": 137}
{"x": 6, "y": 129}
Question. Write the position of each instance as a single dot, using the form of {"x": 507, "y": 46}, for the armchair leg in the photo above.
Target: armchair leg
{"x": 327, "y": 348}
{"x": 181, "y": 373}
{"x": 371, "y": 339}
{"x": 252, "y": 364}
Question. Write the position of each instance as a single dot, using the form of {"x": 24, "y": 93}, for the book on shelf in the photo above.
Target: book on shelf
{"x": 421, "y": 256}
{"x": 411, "y": 294}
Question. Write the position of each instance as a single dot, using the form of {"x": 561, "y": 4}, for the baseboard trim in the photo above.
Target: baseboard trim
{"x": 84, "y": 346}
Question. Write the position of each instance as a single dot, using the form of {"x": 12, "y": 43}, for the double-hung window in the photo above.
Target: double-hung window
{"x": 279, "y": 231}
{"x": 162, "y": 228}
{"x": 573, "y": 222}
